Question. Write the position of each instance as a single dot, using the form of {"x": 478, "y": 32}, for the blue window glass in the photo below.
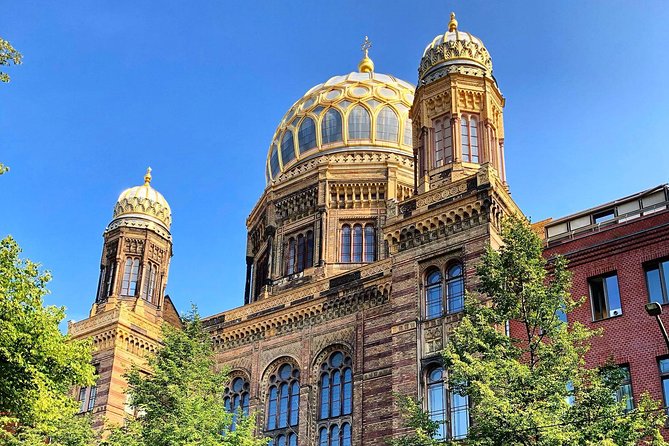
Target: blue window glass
{"x": 272, "y": 409}
{"x": 459, "y": 416}
{"x": 323, "y": 437}
{"x": 348, "y": 391}
{"x": 345, "y": 243}
{"x": 605, "y": 296}
{"x": 657, "y": 279}
{"x": 436, "y": 401}
{"x": 664, "y": 376}
{"x": 336, "y": 393}
{"x": 331, "y": 127}
{"x": 283, "y": 405}
{"x": 334, "y": 436}
{"x": 359, "y": 123}
{"x": 473, "y": 139}
{"x": 325, "y": 396}
{"x": 274, "y": 161}
{"x": 357, "y": 243}
{"x": 292, "y": 440}
{"x": 370, "y": 243}
{"x": 624, "y": 392}
{"x": 307, "y": 135}
{"x": 346, "y": 435}
{"x": 294, "y": 403}
{"x": 287, "y": 147}
{"x": 455, "y": 289}
{"x": 387, "y": 125}
{"x": 433, "y": 295}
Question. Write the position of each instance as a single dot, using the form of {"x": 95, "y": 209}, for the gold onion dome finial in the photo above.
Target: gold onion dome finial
{"x": 453, "y": 24}
{"x": 147, "y": 176}
{"x": 366, "y": 65}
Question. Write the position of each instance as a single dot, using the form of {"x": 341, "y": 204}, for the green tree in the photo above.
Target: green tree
{"x": 8, "y": 55}
{"x": 536, "y": 390}
{"x": 38, "y": 364}
{"x": 181, "y": 401}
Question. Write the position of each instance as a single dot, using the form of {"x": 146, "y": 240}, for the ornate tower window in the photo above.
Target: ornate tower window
{"x": 359, "y": 123}
{"x": 150, "y": 283}
{"x": 299, "y": 252}
{"x": 130, "y": 276}
{"x": 443, "y": 141}
{"x": 358, "y": 243}
{"x": 455, "y": 289}
{"x": 335, "y": 400}
{"x": 283, "y": 404}
{"x": 470, "y": 141}
{"x": 449, "y": 410}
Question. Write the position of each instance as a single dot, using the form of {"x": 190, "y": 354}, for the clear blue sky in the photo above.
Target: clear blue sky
{"x": 195, "y": 90}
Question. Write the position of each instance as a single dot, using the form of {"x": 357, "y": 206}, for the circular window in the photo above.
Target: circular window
{"x": 284, "y": 371}
{"x": 387, "y": 92}
{"x": 332, "y": 94}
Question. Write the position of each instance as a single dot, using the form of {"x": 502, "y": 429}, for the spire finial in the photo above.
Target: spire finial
{"x": 453, "y": 24}
{"x": 366, "y": 65}
{"x": 147, "y": 176}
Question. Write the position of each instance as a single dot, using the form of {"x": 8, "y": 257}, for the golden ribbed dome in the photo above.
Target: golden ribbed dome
{"x": 143, "y": 203}
{"x": 359, "y": 111}
{"x": 454, "y": 50}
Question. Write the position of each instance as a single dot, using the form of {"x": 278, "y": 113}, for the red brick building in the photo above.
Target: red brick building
{"x": 619, "y": 255}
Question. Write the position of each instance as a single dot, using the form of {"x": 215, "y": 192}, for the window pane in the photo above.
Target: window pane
{"x": 335, "y": 408}
{"x": 599, "y": 310}
{"x": 664, "y": 366}
{"x": 455, "y": 290}
{"x": 331, "y": 127}
{"x": 433, "y": 304}
{"x": 334, "y": 436}
{"x": 323, "y": 437}
{"x": 294, "y": 403}
{"x": 91, "y": 397}
{"x": 346, "y": 243}
{"x": 271, "y": 412}
{"x": 346, "y": 435}
{"x": 473, "y": 137}
{"x": 624, "y": 392}
{"x": 348, "y": 391}
{"x": 287, "y": 148}
{"x": 408, "y": 138}
{"x": 654, "y": 285}
{"x": 307, "y": 135}
{"x": 310, "y": 250}
{"x": 613, "y": 295}
{"x": 301, "y": 251}
{"x": 134, "y": 274}
{"x": 370, "y": 244}
{"x": 274, "y": 161}
{"x": 387, "y": 125}
{"x": 292, "y": 440}
{"x": 359, "y": 123}
{"x": 290, "y": 262}
{"x": 125, "y": 285}
{"x": 325, "y": 396}
{"x": 459, "y": 416}
{"x": 281, "y": 440}
{"x": 357, "y": 243}
{"x": 283, "y": 405}
{"x": 464, "y": 130}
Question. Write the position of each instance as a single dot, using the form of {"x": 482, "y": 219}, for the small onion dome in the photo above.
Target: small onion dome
{"x": 360, "y": 111}
{"x": 454, "y": 50}
{"x": 142, "y": 206}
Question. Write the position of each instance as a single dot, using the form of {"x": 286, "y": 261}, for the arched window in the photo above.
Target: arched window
{"x": 236, "y": 398}
{"x": 470, "y": 142}
{"x": 130, "y": 275}
{"x": 283, "y": 405}
{"x": 331, "y": 127}
{"x": 307, "y": 135}
{"x": 455, "y": 289}
{"x": 359, "y": 123}
{"x": 310, "y": 249}
{"x": 346, "y": 243}
{"x": 299, "y": 253}
{"x": 433, "y": 294}
{"x": 408, "y": 133}
{"x": 150, "y": 282}
{"x": 443, "y": 141}
{"x": 336, "y": 400}
{"x": 274, "y": 161}
{"x": 387, "y": 125}
{"x": 287, "y": 147}
{"x": 109, "y": 278}
{"x": 370, "y": 243}
{"x": 357, "y": 243}
{"x": 436, "y": 400}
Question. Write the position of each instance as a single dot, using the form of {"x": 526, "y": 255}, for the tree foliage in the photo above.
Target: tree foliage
{"x": 38, "y": 364}
{"x": 535, "y": 389}
{"x": 8, "y": 56}
{"x": 180, "y": 402}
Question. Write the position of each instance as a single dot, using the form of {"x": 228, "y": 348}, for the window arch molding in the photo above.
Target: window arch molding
{"x": 236, "y": 395}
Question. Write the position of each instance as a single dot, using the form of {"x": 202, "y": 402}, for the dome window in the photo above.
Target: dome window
{"x": 388, "y": 93}
{"x": 408, "y": 138}
{"x": 359, "y": 123}
{"x": 359, "y": 91}
{"x": 331, "y": 127}
{"x": 274, "y": 161}
{"x": 387, "y": 125}
{"x": 287, "y": 147}
{"x": 333, "y": 94}
{"x": 307, "y": 135}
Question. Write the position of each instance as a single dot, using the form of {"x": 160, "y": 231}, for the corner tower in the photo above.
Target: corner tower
{"x": 130, "y": 306}
{"x": 457, "y": 112}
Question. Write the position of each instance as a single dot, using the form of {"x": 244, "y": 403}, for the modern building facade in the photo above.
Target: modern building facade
{"x": 380, "y": 199}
